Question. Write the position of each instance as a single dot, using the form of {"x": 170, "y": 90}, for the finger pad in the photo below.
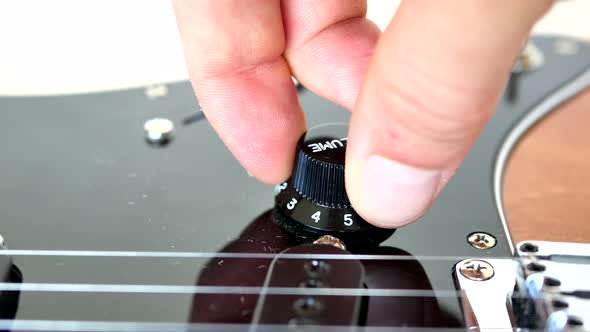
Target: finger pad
{"x": 257, "y": 115}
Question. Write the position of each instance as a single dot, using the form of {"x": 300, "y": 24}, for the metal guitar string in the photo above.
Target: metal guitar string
{"x": 158, "y": 254}
{"x": 95, "y": 326}
{"x": 225, "y": 290}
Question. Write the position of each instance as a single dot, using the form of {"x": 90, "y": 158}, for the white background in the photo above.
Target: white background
{"x": 71, "y": 46}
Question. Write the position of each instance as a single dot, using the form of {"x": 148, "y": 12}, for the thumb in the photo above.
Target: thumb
{"x": 433, "y": 82}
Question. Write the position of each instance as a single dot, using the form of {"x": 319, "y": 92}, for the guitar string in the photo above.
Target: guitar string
{"x": 240, "y": 290}
{"x": 129, "y": 326}
{"x": 210, "y": 255}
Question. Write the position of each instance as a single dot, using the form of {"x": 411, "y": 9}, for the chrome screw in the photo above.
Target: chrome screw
{"x": 529, "y": 59}
{"x": 158, "y": 131}
{"x": 2, "y": 242}
{"x": 477, "y": 270}
{"x": 481, "y": 240}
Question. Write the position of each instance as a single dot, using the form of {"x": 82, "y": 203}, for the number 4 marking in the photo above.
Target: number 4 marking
{"x": 348, "y": 219}
{"x": 316, "y": 216}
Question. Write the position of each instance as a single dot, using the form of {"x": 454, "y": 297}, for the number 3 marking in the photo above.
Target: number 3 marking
{"x": 291, "y": 204}
{"x": 316, "y": 216}
{"x": 348, "y": 219}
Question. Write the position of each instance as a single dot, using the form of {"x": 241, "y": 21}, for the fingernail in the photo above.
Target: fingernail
{"x": 395, "y": 194}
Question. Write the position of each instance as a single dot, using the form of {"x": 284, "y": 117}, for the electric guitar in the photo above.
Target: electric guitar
{"x": 123, "y": 211}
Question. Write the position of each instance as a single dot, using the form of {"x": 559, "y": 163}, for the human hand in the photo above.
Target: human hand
{"x": 420, "y": 93}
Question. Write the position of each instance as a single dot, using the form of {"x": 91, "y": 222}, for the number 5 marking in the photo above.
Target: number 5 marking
{"x": 316, "y": 216}
{"x": 348, "y": 219}
{"x": 291, "y": 204}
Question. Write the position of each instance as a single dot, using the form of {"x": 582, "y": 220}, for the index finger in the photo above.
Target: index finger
{"x": 233, "y": 51}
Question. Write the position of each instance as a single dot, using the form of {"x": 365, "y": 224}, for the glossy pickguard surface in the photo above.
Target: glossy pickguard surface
{"x": 77, "y": 175}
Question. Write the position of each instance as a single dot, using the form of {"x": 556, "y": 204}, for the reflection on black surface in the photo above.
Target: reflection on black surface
{"x": 264, "y": 236}
{"x": 261, "y": 236}
{"x": 9, "y": 299}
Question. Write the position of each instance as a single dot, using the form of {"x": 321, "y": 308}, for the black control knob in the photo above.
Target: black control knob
{"x": 313, "y": 202}
{"x": 318, "y": 173}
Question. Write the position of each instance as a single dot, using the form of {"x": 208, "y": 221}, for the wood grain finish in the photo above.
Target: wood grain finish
{"x": 546, "y": 184}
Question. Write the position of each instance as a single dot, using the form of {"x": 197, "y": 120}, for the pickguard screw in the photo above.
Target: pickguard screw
{"x": 158, "y": 131}
{"x": 529, "y": 59}
{"x": 2, "y": 243}
{"x": 481, "y": 240}
{"x": 477, "y": 270}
